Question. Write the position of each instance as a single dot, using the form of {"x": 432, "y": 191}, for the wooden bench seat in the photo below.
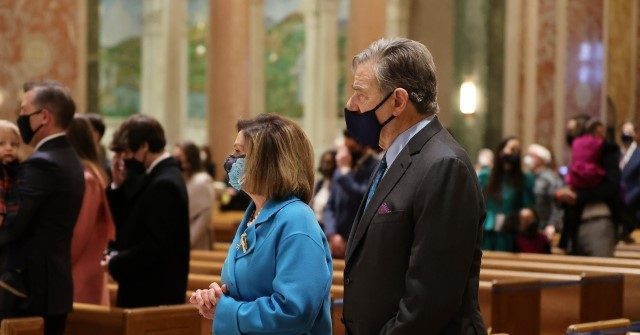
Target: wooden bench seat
{"x": 86, "y": 319}
{"x": 22, "y": 326}
{"x": 631, "y": 287}
{"x": 616, "y": 326}
{"x": 568, "y": 298}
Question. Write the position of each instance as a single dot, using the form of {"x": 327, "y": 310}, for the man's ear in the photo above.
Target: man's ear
{"x": 400, "y": 100}
{"x": 47, "y": 116}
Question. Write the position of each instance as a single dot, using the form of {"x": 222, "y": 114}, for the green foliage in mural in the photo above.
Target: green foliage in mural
{"x": 284, "y": 66}
{"x": 120, "y": 78}
{"x": 343, "y": 65}
{"x": 197, "y": 72}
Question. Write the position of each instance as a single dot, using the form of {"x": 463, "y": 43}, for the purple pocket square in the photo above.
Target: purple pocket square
{"x": 384, "y": 209}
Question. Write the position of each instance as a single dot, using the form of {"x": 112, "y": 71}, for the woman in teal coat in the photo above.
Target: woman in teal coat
{"x": 278, "y": 273}
{"x": 507, "y": 190}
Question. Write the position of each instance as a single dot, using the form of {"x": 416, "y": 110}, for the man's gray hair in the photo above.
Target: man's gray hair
{"x": 403, "y": 63}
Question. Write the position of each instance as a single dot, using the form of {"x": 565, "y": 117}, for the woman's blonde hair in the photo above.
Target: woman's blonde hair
{"x": 10, "y": 126}
{"x": 279, "y": 158}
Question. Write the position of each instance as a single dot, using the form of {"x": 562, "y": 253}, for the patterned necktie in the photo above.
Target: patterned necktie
{"x": 374, "y": 185}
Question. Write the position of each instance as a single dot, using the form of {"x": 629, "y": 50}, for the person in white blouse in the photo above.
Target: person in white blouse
{"x": 200, "y": 190}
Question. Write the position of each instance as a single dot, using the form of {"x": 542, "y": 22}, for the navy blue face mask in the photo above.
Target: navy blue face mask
{"x": 364, "y": 127}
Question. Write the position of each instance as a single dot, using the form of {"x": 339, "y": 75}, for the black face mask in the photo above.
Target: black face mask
{"x": 355, "y": 156}
{"x": 364, "y": 127}
{"x": 228, "y": 162}
{"x": 25, "y": 128}
{"x": 512, "y": 159}
{"x": 626, "y": 139}
{"x": 134, "y": 167}
{"x": 569, "y": 138}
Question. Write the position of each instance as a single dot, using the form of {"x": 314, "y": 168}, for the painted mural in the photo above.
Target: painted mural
{"x": 284, "y": 57}
{"x": 120, "y": 62}
{"x": 198, "y": 19}
{"x": 38, "y": 40}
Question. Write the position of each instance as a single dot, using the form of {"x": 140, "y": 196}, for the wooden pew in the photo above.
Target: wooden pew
{"x": 208, "y": 255}
{"x": 616, "y": 326}
{"x": 225, "y": 224}
{"x": 511, "y": 305}
{"x": 631, "y": 287}
{"x": 99, "y": 320}
{"x": 22, "y": 326}
{"x": 206, "y": 267}
{"x": 567, "y": 298}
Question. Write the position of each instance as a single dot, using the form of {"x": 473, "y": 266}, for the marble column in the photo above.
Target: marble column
{"x": 512, "y": 97}
{"x": 321, "y": 73}
{"x": 398, "y": 17}
{"x": 620, "y": 58}
{"x": 431, "y": 23}
{"x": 164, "y": 64}
{"x": 257, "y": 98}
{"x": 228, "y": 73}
{"x": 367, "y": 23}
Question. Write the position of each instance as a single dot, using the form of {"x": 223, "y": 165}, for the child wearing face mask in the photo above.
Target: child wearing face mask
{"x": 11, "y": 279}
{"x": 529, "y": 238}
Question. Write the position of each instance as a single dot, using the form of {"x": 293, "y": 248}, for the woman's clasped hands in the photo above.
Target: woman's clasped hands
{"x": 206, "y": 300}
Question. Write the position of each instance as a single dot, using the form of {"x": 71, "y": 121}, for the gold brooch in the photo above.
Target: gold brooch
{"x": 244, "y": 245}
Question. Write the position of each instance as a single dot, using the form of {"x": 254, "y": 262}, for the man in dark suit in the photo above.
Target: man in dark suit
{"x": 355, "y": 165}
{"x": 50, "y": 190}
{"x": 413, "y": 256}
{"x": 151, "y": 260}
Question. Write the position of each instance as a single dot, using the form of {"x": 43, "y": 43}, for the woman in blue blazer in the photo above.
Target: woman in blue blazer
{"x": 277, "y": 275}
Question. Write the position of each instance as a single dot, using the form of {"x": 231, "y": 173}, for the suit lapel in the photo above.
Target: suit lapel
{"x": 633, "y": 162}
{"x": 388, "y": 182}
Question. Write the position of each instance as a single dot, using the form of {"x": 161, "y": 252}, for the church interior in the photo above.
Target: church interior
{"x": 506, "y": 69}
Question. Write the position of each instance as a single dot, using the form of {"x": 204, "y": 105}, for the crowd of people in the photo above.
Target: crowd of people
{"x": 397, "y": 198}
{"x": 592, "y": 202}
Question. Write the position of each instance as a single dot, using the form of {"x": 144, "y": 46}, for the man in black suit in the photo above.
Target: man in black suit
{"x": 50, "y": 190}
{"x": 151, "y": 260}
{"x": 413, "y": 256}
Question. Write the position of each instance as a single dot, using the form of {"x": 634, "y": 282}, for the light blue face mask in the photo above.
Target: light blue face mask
{"x": 236, "y": 174}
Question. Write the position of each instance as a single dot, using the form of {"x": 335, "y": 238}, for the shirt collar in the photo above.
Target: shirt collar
{"x": 162, "y": 157}
{"x": 403, "y": 139}
{"x": 49, "y": 138}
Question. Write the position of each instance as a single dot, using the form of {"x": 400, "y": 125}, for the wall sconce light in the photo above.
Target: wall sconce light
{"x": 468, "y": 98}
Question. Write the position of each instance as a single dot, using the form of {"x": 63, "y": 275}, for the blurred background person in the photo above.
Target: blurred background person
{"x": 322, "y": 189}
{"x": 630, "y": 189}
{"x": 546, "y": 182}
{"x": 207, "y": 163}
{"x": 98, "y": 128}
{"x": 94, "y": 227}
{"x": 507, "y": 189}
{"x": 592, "y": 213}
{"x": 355, "y": 163}
{"x": 151, "y": 259}
{"x": 628, "y": 143}
{"x": 50, "y": 188}
{"x": 200, "y": 191}
{"x": 485, "y": 161}
{"x": 529, "y": 238}
{"x": 9, "y": 146}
